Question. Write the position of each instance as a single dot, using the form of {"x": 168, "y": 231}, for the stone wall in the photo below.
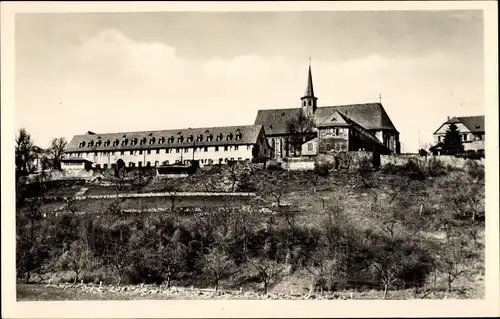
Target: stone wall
{"x": 447, "y": 160}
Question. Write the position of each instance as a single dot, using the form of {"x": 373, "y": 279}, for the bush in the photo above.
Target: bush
{"x": 274, "y": 166}
{"x": 322, "y": 168}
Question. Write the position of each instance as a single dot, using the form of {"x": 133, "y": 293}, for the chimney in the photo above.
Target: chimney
{"x": 448, "y": 118}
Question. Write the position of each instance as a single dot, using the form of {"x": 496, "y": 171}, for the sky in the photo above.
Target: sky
{"x": 113, "y": 72}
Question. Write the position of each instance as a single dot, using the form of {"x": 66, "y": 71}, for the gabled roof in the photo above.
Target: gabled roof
{"x": 475, "y": 124}
{"x": 369, "y": 115}
{"x": 249, "y": 135}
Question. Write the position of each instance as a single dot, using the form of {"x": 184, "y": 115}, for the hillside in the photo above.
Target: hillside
{"x": 401, "y": 232}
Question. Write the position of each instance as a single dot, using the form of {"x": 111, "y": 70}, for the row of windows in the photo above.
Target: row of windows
{"x": 185, "y": 162}
{"x": 464, "y": 137}
{"x": 152, "y": 140}
{"x": 226, "y": 148}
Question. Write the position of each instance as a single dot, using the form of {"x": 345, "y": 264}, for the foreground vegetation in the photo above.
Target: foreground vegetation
{"x": 412, "y": 228}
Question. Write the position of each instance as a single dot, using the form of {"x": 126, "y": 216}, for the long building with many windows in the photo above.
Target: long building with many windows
{"x": 213, "y": 145}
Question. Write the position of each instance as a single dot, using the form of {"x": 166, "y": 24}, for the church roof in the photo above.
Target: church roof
{"x": 369, "y": 115}
{"x": 153, "y": 139}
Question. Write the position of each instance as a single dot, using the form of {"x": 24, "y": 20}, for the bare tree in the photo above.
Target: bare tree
{"x": 171, "y": 259}
{"x": 451, "y": 254}
{"x": 273, "y": 184}
{"x": 267, "y": 270}
{"x": 300, "y": 127}
{"x": 76, "y": 257}
{"x": 57, "y": 147}
{"x": 218, "y": 265}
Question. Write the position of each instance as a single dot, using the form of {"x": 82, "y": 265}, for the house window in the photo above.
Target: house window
{"x": 105, "y": 166}
{"x": 131, "y": 152}
{"x": 149, "y": 151}
{"x": 82, "y": 144}
{"x": 199, "y": 138}
{"x": 157, "y": 163}
{"x": 219, "y": 137}
{"x": 95, "y": 153}
{"x": 148, "y": 164}
{"x": 166, "y": 151}
{"x": 124, "y": 142}
{"x": 309, "y": 147}
{"x": 152, "y": 140}
{"x": 236, "y": 147}
{"x": 177, "y": 150}
{"x": 130, "y": 164}
{"x": 98, "y": 143}
{"x": 186, "y": 150}
{"x": 229, "y": 136}
{"x": 249, "y": 147}
{"x": 143, "y": 141}
{"x": 210, "y": 138}
{"x": 158, "y": 151}
{"x": 140, "y": 152}
{"x": 205, "y": 149}
{"x": 116, "y": 142}
{"x": 216, "y": 148}
{"x": 140, "y": 164}
{"x": 464, "y": 137}
{"x": 134, "y": 141}
{"x": 122, "y": 153}
{"x": 107, "y": 143}
{"x": 161, "y": 140}
{"x": 238, "y": 136}
{"x": 180, "y": 139}
{"x": 225, "y": 148}
{"x": 190, "y": 139}
{"x": 91, "y": 143}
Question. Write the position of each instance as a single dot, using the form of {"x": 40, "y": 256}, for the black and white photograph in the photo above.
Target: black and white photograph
{"x": 251, "y": 152}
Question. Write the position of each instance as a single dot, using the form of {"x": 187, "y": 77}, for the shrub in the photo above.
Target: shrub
{"x": 322, "y": 168}
{"x": 274, "y": 166}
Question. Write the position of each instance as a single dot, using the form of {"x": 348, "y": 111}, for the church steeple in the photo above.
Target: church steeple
{"x": 309, "y": 100}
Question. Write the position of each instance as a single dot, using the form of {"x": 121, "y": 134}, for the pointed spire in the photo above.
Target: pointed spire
{"x": 309, "y": 89}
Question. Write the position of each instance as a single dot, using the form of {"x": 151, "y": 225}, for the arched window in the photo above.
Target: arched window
{"x": 143, "y": 141}
{"x": 134, "y": 141}
{"x": 91, "y": 143}
{"x": 116, "y": 142}
{"x": 98, "y": 143}
{"x": 107, "y": 143}
{"x": 238, "y": 136}
{"x": 199, "y": 138}
{"x": 229, "y": 136}
{"x": 124, "y": 142}
{"x": 190, "y": 139}
{"x": 219, "y": 137}
{"x": 82, "y": 144}
{"x": 180, "y": 139}
{"x": 152, "y": 140}
{"x": 171, "y": 139}
{"x": 161, "y": 140}
{"x": 210, "y": 138}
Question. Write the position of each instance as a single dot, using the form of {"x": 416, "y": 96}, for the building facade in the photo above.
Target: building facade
{"x": 472, "y": 133}
{"x": 354, "y": 121}
{"x": 214, "y": 145}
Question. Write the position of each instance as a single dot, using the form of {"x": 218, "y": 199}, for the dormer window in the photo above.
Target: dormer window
{"x": 199, "y": 138}
{"x": 478, "y": 126}
{"x": 171, "y": 139}
{"x": 134, "y": 141}
{"x": 238, "y": 136}
{"x": 161, "y": 140}
{"x": 152, "y": 140}
{"x": 229, "y": 136}
{"x": 82, "y": 144}
{"x": 98, "y": 143}
{"x": 116, "y": 142}
{"x": 190, "y": 138}
{"x": 219, "y": 137}
{"x": 210, "y": 138}
{"x": 143, "y": 141}
{"x": 180, "y": 139}
{"x": 91, "y": 143}
{"x": 107, "y": 143}
{"x": 124, "y": 142}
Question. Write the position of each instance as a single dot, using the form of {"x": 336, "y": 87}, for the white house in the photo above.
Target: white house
{"x": 471, "y": 130}
{"x": 213, "y": 145}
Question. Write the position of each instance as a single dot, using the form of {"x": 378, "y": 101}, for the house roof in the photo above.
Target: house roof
{"x": 369, "y": 115}
{"x": 475, "y": 124}
{"x": 76, "y": 159}
{"x": 249, "y": 135}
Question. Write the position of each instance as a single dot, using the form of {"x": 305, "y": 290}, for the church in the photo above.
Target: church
{"x": 355, "y": 127}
